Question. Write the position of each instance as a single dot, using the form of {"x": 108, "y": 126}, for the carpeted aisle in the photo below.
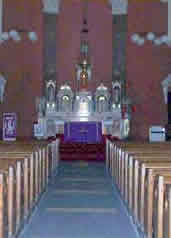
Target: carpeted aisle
{"x": 81, "y": 203}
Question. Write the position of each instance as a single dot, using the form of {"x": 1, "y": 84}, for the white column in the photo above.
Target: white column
{"x": 119, "y": 6}
{"x": 51, "y": 6}
{"x": 1, "y": 15}
{"x": 169, "y": 20}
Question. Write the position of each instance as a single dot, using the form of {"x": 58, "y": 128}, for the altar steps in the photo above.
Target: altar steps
{"x": 82, "y": 151}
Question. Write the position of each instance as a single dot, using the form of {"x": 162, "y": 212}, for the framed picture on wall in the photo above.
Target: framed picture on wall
{"x": 9, "y": 126}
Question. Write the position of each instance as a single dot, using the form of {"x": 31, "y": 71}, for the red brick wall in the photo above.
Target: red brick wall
{"x": 22, "y": 63}
{"x": 147, "y": 66}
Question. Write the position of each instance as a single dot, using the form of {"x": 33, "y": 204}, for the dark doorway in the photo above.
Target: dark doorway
{"x": 169, "y": 107}
{"x": 168, "y": 126}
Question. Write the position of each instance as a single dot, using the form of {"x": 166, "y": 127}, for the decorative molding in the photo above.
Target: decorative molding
{"x": 119, "y": 6}
{"x": 166, "y": 83}
{"x": 51, "y": 6}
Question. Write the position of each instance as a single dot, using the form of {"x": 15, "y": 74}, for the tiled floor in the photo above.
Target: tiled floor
{"x": 81, "y": 203}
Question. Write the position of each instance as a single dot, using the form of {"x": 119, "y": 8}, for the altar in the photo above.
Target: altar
{"x": 84, "y": 132}
{"x": 81, "y": 112}
{"x": 91, "y": 113}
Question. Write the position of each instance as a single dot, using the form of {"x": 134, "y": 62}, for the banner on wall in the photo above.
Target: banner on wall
{"x": 9, "y": 126}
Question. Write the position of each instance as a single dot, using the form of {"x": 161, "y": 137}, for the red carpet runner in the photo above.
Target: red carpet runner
{"x": 82, "y": 151}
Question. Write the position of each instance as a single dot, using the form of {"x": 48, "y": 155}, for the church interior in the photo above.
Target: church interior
{"x": 85, "y": 118}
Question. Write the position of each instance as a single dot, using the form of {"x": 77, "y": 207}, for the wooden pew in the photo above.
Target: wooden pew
{"x": 162, "y": 207}
{"x": 9, "y": 199}
{"x": 144, "y": 185}
{"x": 145, "y": 160}
{"x": 135, "y": 186}
{"x": 3, "y": 206}
{"x": 149, "y": 207}
{"x": 134, "y": 149}
{"x": 34, "y": 164}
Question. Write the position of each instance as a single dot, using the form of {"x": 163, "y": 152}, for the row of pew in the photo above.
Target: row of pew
{"x": 142, "y": 174}
{"x": 25, "y": 171}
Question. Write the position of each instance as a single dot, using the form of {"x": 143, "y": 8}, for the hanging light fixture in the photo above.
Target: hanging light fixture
{"x": 16, "y": 35}
{"x": 156, "y": 38}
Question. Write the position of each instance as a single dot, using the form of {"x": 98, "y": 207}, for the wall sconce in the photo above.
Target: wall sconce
{"x": 16, "y": 35}
{"x": 140, "y": 38}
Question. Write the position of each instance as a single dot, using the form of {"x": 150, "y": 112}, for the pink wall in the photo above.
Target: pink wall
{"x": 22, "y": 63}
{"x": 147, "y": 66}
{"x": 100, "y": 39}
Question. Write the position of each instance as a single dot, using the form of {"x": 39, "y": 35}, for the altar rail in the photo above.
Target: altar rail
{"x": 142, "y": 173}
{"x": 25, "y": 171}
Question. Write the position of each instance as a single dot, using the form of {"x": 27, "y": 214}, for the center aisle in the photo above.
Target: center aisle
{"x": 80, "y": 203}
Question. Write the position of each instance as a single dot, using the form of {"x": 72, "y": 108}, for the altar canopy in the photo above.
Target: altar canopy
{"x": 85, "y": 132}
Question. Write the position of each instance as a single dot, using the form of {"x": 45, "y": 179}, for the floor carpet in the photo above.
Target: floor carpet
{"x": 82, "y": 151}
{"x": 80, "y": 203}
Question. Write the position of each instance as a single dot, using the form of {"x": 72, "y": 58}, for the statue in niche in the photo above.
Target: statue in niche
{"x": 117, "y": 95}
{"x": 50, "y": 91}
{"x": 65, "y": 98}
{"x": 102, "y": 107}
{"x": 116, "y": 92}
{"x": 102, "y": 97}
{"x": 66, "y": 102}
{"x": 3, "y": 82}
{"x": 51, "y": 94}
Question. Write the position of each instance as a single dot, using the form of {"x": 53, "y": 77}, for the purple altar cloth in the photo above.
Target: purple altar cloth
{"x": 86, "y": 132}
